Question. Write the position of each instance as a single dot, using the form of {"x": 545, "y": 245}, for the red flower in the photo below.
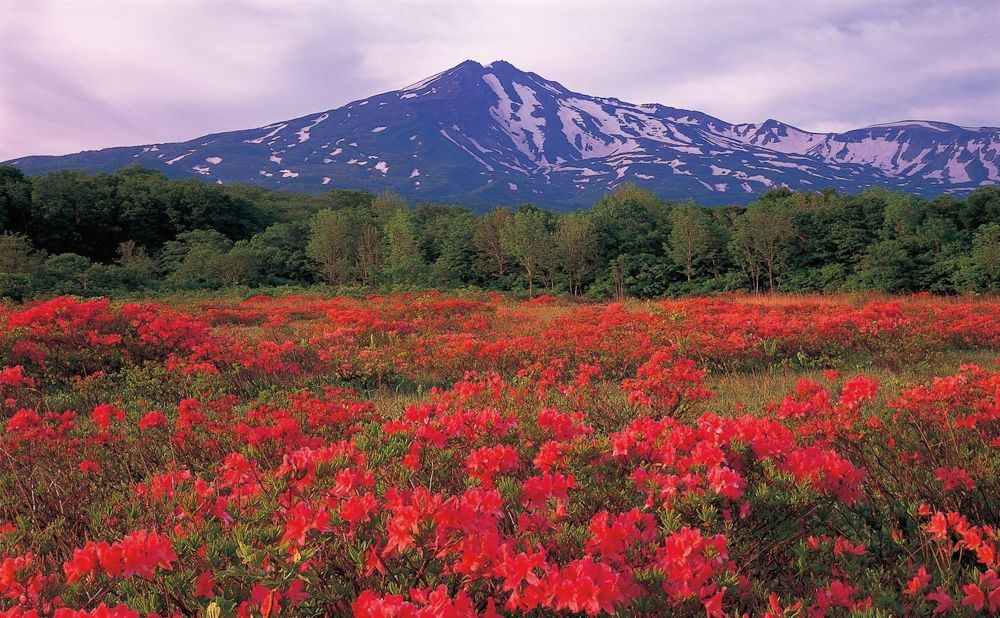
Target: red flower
{"x": 14, "y": 377}
{"x": 938, "y": 526}
{"x": 105, "y": 413}
{"x": 302, "y": 518}
{"x": 942, "y": 601}
{"x": 954, "y": 478}
{"x": 713, "y": 605}
{"x": 664, "y": 383}
{"x": 152, "y": 419}
{"x": 358, "y": 509}
{"x": 485, "y": 463}
{"x": 974, "y": 597}
{"x": 919, "y": 581}
{"x": 204, "y": 585}
{"x": 139, "y": 553}
{"x": 586, "y": 586}
{"x": 842, "y": 546}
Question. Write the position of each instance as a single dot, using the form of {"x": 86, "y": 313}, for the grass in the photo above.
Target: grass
{"x": 754, "y": 388}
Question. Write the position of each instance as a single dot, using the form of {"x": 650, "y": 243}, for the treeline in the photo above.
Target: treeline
{"x": 136, "y": 231}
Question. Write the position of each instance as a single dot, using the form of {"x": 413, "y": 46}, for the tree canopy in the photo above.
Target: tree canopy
{"x": 136, "y": 230}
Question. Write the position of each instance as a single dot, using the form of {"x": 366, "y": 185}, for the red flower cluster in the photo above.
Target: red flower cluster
{"x": 419, "y": 455}
{"x": 139, "y": 553}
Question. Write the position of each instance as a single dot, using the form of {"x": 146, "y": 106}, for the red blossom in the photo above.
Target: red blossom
{"x": 204, "y": 585}
{"x": 954, "y": 478}
{"x": 152, "y": 419}
{"x": 104, "y": 414}
{"x": 942, "y": 601}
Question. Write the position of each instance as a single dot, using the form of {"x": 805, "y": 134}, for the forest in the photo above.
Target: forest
{"x": 135, "y": 231}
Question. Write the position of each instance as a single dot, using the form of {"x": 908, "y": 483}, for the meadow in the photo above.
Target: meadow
{"x": 455, "y": 455}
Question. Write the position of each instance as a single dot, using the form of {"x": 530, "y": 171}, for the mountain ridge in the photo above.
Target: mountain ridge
{"x": 493, "y": 134}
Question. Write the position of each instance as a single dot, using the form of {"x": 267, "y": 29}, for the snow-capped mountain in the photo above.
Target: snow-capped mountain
{"x": 483, "y": 135}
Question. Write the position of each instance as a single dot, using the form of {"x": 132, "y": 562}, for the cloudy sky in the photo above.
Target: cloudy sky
{"x": 85, "y": 74}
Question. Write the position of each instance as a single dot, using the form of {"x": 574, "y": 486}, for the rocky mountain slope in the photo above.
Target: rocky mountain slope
{"x": 483, "y": 135}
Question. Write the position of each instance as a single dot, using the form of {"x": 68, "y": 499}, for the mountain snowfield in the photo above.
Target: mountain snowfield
{"x": 484, "y": 135}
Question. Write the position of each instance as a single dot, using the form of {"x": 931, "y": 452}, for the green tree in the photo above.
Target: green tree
{"x": 17, "y": 254}
{"x": 133, "y": 269}
{"x": 491, "y": 233}
{"x": 527, "y": 240}
{"x": 762, "y": 240}
{"x": 634, "y": 224}
{"x": 77, "y": 212}
{"x": 67, "y": 273}
{"x": 192, "y": 205}
{"x": 403, "y": 263}
{"x": 280, "y": 252}
{"x": 744, "y": 251}
{"x": 981, "y": 270}
{"x": 15, "y": 200}
{"x": 385, "y": 206}
{"x": 980, "y": 207}
{"x": 133, "y": 255}
{"x": 19, "y": 264}
{"x": 690, "y": 235}
{"x": 576, "y": 248}
{"x": 238, "y": 266}
{"x": 186, "y": 258}
{"x": 368, "y": 259}
{"x": 446, "y": 235}
{"x": 331, "y": 245}
{"x": 887, "y": 266}
{"x": 143, "y": 205}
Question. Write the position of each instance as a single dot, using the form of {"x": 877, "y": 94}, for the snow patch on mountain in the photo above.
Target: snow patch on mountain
{"x": 176, "y": 159}
{"x": 303, "y": 133}
{"x": 518, "y": 119}
{"x": 277, "y": 128}
{"x": 934, "y": 126}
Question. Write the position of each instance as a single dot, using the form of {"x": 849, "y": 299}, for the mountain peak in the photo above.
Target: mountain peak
{"x": 466, "y": 65}
{"x": 502, "y": 65}
{"x": 476, "y": 66}
{"x": 465, "y": 69}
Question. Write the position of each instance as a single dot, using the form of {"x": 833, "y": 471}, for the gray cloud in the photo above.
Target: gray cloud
{"x": 80, "y": 75}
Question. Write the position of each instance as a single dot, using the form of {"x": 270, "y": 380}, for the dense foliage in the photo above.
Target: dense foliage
{"x": 427, "y": 455}
{"x": 134, "y": 230}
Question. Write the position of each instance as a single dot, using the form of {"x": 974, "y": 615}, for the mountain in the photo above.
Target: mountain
{"x": 483, "y": 135}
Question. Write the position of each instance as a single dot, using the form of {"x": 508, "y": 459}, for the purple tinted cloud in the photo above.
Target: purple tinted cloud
{"x": 83, "y": 75}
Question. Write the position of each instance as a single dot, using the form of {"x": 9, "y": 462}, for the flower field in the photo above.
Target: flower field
{"x": 431, "y": 455}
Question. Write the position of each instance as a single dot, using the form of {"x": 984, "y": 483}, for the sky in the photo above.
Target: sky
{"x": 87, "y": 74}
